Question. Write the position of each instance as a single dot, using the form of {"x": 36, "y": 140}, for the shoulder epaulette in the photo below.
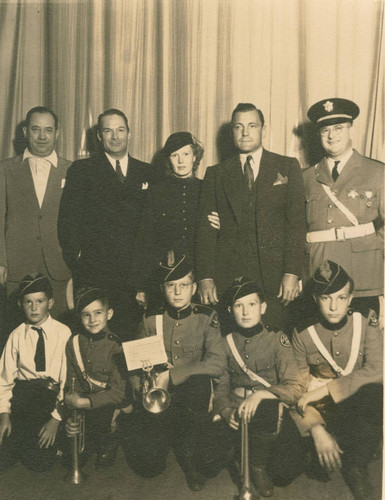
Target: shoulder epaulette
{"x": 154, "y": 312}
{"x": 201, "y": 309}
{"x": 305, "y": 323}
{"x": 113, "y": 336}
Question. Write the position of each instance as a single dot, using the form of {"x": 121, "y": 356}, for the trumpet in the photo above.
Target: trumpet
{"x": 75, "y": 476}
{"x": 247, "y": 491}
{"x": 155, "y": 399}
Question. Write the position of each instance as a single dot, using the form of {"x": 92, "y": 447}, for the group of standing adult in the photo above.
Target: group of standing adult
{"x": 107, "y": 220}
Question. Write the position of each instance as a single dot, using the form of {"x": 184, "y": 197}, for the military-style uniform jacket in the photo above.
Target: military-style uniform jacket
{"x": 192, "y": 340}
{"x": 268, "y": 354}
{"x": 368, "y": 368}
{"x": 102, "y": 355}
{"x": 360, "y": 187}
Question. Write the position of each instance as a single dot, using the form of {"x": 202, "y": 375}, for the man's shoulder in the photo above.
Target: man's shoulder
{"x": 276, "y": 157}
{"x": 365, "y": 162}
{"x": 63, "y": 162}
{"x": 11, "y": 162}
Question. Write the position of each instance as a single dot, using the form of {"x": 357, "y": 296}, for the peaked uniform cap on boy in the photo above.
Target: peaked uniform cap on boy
{"x": 174, "y": 267}
{"x": 86, "y": 296}
{"x": 33, "y": 283}
{"x": 176, "y": 141}
{"x": 240, "y": 288}
{"x": 333, "y": 110}
{"x": 329, "y": 278}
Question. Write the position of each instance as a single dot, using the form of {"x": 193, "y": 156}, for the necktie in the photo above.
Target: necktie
{"x": 335, "y": 173}
{"x": 119, "y": 172}
{"x": 40, "y": 351}
{"x": 248, "y": 172}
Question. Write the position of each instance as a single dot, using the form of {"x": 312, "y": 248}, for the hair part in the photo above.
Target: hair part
{"x": 42, "y": 110}
{"x": 110, "y": 112}
{"x": 243, "y": 107}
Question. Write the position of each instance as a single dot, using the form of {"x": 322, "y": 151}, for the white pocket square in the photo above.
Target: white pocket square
{"x": 280, "y": 180}
{"x": 144, "y": 185}
{"x": 63, "y": 183}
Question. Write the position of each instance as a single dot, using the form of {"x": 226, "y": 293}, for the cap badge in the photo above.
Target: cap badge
{"x": 328, "y": 105}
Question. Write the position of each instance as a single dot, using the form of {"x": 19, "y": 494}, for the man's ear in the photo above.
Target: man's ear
{"x": 264, "y": 131}
{"x": 98, "y": 135}
{"x": 263, "y": 308}
{"x": 194, "y": 288}
{"x": 110, "y": 313}
{"x": 25, "y": 132}
{"x": 350, "y": 298}
{"x": 229, "y": 309}
{"x": 51, "y": 303}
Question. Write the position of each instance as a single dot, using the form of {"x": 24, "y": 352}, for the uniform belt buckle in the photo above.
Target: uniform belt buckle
{"x": 340, "y": 233}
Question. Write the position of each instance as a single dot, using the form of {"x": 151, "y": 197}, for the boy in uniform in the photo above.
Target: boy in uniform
{"x": 260, "y": 375}
{"x": 32, "y": 378}
{"x": 94, "y": 380}
{"x": 193, "y": 344}
{"x": 340, "y": 357}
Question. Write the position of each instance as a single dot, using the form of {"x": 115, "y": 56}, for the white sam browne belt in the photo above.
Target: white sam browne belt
{"x": 340, "y": 233}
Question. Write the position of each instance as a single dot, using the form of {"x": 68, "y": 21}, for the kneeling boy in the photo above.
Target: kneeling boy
{"x": 32, "y": 378}
{"x": 260, "y": 375}
{"x": 194, "y": 348}
{"x": 94, "y": 380}
{"x": 340, "y": 356}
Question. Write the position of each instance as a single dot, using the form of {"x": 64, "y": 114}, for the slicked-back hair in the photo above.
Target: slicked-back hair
{"x": 41, "y": 110}
{"x": 242, "y": 107}
{"x": 109, "y": 112}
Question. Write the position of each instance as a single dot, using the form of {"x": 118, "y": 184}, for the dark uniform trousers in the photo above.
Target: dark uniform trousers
{"x": 273, "y": 444}
{"x": 31, "y": 406}
{"x": 183, "y": 426}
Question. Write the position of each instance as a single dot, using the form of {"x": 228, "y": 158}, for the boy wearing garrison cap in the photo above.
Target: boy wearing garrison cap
{"x": 32, "y": 378}
{"x": 194, "y": 347}
{"x": 94, "y": 380}
{"x": 260, "y": 375}
{"x": 340, "y": 357}
{"x": 345, "y": 204}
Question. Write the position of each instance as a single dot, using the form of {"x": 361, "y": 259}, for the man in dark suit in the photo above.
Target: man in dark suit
{"x": 98, "y": 218}
{"x": 261, "y": 204}
{"x": 30, "y": 189}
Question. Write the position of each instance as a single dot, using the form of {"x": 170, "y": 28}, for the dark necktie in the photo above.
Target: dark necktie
{"x": 248, "y": 172}
{"x": 335, "y": 173}
{"x": 119, "y": 172}
{"x": 40, "y": 351}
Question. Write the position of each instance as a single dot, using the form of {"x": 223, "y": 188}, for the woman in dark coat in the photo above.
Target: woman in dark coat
{"x": 171, "y": 215}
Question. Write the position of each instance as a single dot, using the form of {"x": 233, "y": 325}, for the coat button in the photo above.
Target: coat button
{"x": 335, "y": 334}
{"x": 330, "y": 205}
{"x": 177, "y": 342}
{"x": 176, "y": 324}
{"x": 247, "y": 356}
{"x": 175, "y": 357}
{"x": 361, "y": 196}
{"x": 196, "y": 348}
{"x": 337, "y": 353}
{"x": 329, "y": 221}
{"x": 318, "y": 360}
{"x": 268, "y": 367}
{"x": 247, "y": 341}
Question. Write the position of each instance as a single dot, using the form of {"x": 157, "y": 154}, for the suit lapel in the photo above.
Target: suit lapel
{"x": 232, "y": 179}
{"x": 267, "y": 175}
{"x": 322, "y": 173}
{"x": 53, "y": 189}
{"x": 22, "y": 176}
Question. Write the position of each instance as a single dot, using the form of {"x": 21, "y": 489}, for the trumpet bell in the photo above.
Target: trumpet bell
{"x": 156, "y": 400}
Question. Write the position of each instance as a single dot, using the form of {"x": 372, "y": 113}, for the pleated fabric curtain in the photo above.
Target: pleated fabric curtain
{"x": 174, "y": 65}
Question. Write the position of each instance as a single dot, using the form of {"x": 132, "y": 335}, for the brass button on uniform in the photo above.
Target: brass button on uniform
{"x": 175, "y": 357}
{"x": 337, "y": 353}
{"x": 177, "y": 342}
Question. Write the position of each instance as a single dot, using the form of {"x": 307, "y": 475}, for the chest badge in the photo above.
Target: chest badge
{"x": 369, "y": 194}
{"x": 353, "y": 194}
{"x": 284, "y": 340}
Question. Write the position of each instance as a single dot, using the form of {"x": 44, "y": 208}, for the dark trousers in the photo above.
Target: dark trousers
{"x": 280, "y": 452}
{"x": 31, "y": 407}
{"x": 148, "y": 437}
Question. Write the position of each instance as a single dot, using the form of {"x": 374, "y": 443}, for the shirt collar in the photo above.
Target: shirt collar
{"x": 257, "y": 155}
{"x": 44, "y": 326}
{"x": 123, "y": 161}
{"x": 342, "y": 161}
{"x": 179, "y": 314}
{"x": 52, "y": 158}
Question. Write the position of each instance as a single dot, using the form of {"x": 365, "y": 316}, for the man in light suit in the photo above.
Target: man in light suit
{"x": 30, "y": 190}
{"x": 345, "y": 204}
{"x": 259, "y": 197}
{"x": 99, "y": 214}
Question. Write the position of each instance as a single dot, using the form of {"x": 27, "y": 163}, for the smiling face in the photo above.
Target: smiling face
{"x": 182, "y": 161}
{"x": 334, "y": 306}
{"x": 36, "y": 307}
{"x": 114, "y": 136}
{"x": 41, "y": 134}
{"x": 248, "y": 310}
{"x": 337, "y": 139}
{"x": 95, "y": 316}
{"x": 248, "y": 131}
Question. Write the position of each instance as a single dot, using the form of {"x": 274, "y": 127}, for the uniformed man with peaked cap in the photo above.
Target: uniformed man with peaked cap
{"x": 345, "y": 203}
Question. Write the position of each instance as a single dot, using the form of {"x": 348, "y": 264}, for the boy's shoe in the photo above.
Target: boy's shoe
{"x": 261, "y": 480}
{"x": 106, "y": 455}
{"x": 196, "y": 481}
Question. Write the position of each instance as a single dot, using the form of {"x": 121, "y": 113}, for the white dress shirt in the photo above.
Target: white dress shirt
{"x": 342, "y": 162}
{"x": 123, "y": 163}
{"x": 17, "y": 360}
{"x": 40, "y": 168}
{"x": 254, "y": 163}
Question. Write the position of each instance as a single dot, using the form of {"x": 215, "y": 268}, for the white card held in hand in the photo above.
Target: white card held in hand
{"x": 147, "y": 351}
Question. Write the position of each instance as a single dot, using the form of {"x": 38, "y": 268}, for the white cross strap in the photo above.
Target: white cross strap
{"x": 348, "y": 214}
{"x": 357, "y": 328}
{"x": 253, "y": 376}
{"x": 79, "y": 360}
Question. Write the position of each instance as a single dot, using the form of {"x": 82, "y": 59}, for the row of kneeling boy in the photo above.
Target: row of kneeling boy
{"x": 313, "y": 404}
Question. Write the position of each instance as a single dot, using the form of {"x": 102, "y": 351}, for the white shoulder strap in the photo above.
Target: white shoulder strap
{"x": 357, "y": 328}
{"x": 253, "y": 376}
{"x": 75, "y": 342}
{"x": 159, "y": 324}
{"x": 350, "y": 216}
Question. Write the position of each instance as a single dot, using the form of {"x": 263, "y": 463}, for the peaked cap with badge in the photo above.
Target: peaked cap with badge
{"x": 332, "y": 111}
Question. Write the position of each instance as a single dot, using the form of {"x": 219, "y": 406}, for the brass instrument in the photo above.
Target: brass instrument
{"x": 75, "y": 476}
{"x": 247, "y": 491}
{"x": 155, "y": 399}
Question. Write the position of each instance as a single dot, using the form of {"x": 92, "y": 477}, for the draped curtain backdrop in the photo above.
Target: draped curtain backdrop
{"x": 175, "y": 65}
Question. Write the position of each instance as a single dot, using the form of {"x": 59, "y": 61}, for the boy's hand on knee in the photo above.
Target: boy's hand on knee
{"x": 327, "y": 448}
{"x": 48, "y": 432}
{"x": 228, "y": 414}
{"x": 249, "y": 406}
{"x": 5, "y": 426}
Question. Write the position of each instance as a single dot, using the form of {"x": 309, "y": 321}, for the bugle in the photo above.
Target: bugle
{"x": 247, "y": 491}
{"x": 155, "y": 399}
{"x": 75, "y": 476}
